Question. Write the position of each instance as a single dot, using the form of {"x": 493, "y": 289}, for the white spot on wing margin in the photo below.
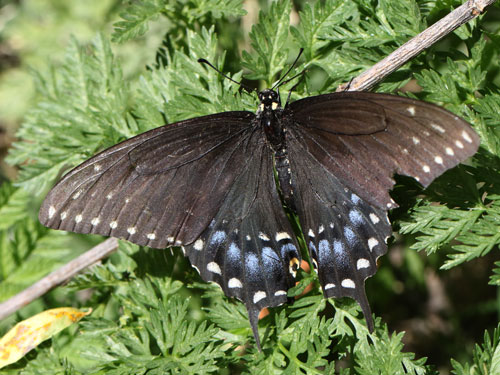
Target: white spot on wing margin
{"x": 374, "y": 218}
{"x": 260, "y": 295}
{"x": 234, "y": 283}
{"x": 198, "y": 245}
{"x": 362, "y": 263}
{"x": 282, "y": 236}
{"x": 214, "y": 267}
{"x": 372, "y": 242}
{"x": 348, "y": 283}
{"x": 466, "y": 137}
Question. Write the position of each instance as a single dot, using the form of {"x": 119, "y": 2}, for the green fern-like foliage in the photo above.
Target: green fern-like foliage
{"x": 486, "y": 357}
{"x": 151, "y": 312}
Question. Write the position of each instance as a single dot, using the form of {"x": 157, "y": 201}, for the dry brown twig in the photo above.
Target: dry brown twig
{"x": 58, "y": 277}
{"x": 366, "y": 80}
{"x": 369, "y": 78}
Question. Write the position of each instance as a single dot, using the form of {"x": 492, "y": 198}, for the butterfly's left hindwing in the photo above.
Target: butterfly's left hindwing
{"x": 249, "y": 249}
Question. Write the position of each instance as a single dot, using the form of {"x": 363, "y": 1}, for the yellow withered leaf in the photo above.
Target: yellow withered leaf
{"x": 29, "y": 333}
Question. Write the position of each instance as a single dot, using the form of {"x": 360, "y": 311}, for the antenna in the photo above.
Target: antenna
{"x": 295, "y": 76}
{"x": 301, "y": 74}
{"x": 288, "y": 71}
{"x": 248, "y": 88}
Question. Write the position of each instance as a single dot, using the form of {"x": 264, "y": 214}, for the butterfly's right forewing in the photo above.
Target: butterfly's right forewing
{"x": 365, "y": 138}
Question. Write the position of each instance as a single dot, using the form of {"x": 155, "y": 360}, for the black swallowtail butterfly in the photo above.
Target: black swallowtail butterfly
{"x": 207, "y": 185}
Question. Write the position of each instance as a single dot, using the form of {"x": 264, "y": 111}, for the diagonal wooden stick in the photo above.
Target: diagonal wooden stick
{"x": 58, "y": 277}
{"x": 461, "y": 15}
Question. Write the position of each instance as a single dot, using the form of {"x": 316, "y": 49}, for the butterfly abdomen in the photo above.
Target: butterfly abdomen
{"x": 282, "y": 165}
{"x": 272, "y": 119}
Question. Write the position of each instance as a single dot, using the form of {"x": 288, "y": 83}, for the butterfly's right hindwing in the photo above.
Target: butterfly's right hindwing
{"x": 344, "y": 233}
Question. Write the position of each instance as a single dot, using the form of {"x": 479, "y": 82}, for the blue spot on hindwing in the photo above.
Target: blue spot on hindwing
{"x": 340, "y": 254}
{"x": 350, "y": 236}
{"x": 252, "y": 264}
{"x": 355, "y": 199}
{"x": 355, "y": 217}
{"x": 288, "y": 250}
{"x": 324, "y": 251}
{"x": 270, "y": 260}
{"x": 217, "y": 238}
{"x": 338, "y": 247}
{"x": 234, "y": 253}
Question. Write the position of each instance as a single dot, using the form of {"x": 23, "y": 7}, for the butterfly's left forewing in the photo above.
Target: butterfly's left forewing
{"x": 205, "y": 184}
{"x": 160, "y": 188}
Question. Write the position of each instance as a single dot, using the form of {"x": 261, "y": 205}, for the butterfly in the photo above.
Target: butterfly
{"x": 207, "y": 185}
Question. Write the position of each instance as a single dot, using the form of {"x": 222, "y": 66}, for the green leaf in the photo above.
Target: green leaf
{"x": 13, "y": 205}
{"x": 439, "y": 225}
{"x": 85, "y": 108}
{"x": 480, "y": 238}
{"x": 268, "y": 38}
{"x": 218, "y": 8}
{"x": 385, "y": 356}
{"x": 186, "y": 88}
{"x": 389, "y": 13}
{"x": 486, "y": 358}
{"x": 137, "y": 17}
{"x": 318, "y": 21}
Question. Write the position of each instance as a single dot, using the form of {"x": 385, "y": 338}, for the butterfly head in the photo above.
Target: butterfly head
{"x": 269, "y": 100}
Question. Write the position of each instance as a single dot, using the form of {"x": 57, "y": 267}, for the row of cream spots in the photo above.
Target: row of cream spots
{"x": 96, "y": 221}
{"x": 235, "y": 283}
{"x": 372, "y": 242}
{"x": 449, "y": 151}
{"x": 346, "y": 283}
{"x": 440, "y": 129}
{"x": 260, "y": 295}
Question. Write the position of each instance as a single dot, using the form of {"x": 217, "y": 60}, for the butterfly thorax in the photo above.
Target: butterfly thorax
{"x": 268, "y": 116}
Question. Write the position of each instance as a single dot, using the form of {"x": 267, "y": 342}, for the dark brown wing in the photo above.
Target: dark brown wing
{"x": 364, "y": 138}
{"x": 249, "y": 249}
{"x": 160, "y": 188}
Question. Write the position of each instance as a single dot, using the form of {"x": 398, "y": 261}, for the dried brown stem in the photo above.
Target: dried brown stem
{"x": 58, "y": 277}
{"x": 369, "y": 78}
